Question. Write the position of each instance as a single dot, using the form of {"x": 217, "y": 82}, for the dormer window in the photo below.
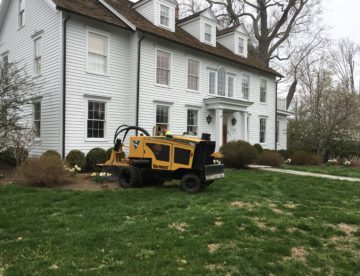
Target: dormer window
{"x": 164, "y": 15}
{"x": 241, "y": 43}
{"x": 21, "y": 15}
{"x": 208, "y": 33}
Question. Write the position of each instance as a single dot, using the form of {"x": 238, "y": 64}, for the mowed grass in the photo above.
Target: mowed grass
{"x": 326, "y": 169}
{"x": 250, "y": 223}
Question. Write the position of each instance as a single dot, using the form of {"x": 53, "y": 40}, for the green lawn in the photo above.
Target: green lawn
{"x": 250, "y": 223}
{"x": 325, "y": 169}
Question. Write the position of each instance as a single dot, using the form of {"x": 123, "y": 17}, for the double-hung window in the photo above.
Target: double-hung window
{"x": 163, "y": 68}
{"x": 37, "y": 119}
{"x": 212, "y": 82}
{"x": 193, "y": 75}
{"x": 262, "y": 131}
{"x": 37, "y": 56}
{"x": 208, "y": 33}
{"x": 96, "y": 120}
{"x": 97, "y": 60}
{"x": 164, "y": 15}
{"x": 162, "y": 117}
{"x": 21, "y": 14}
{"x": 192, "y": 122}
{"x": 230, "y": 86}
{"x": 263, "y": 91}
{"x": 277, "y": 130}
{"x": 221, "y": 82}
{"x": 5, "y": 60}
{"x": 245, "y": 86}
{"x": 241, "y": 43}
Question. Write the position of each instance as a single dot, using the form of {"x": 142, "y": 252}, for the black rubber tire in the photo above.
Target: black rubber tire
{"x": 191, "y": 183}
{"x": 130, "y": 177}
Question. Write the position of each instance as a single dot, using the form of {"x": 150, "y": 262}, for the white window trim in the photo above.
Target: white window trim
{"x": 266, "y": 130}
{"x": 266, "y": 94}
{"x": 100, "y": 100}
{"x": 169, "y": 18}
{"x": 187, "y": 74}
{"x": 169, "y": 115}
{"x": 170, "y": 70}
{"x": 242, "y": 95}
{"x": 102, "y": 33}
{"x": 42, "y": 59}
{"x": 18, "y": 15}
{"x": 33, "y": 117}
{"x": 197, "y": 119}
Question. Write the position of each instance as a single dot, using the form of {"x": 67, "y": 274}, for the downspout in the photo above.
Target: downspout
{"x": 138, "y": 81}
{"x": 65, "y": 20}
{"x": 276, "y": 109}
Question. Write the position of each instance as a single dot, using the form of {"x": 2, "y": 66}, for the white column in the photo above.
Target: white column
{"x": 218, "y": 128}
{"x": 246, "y": 134}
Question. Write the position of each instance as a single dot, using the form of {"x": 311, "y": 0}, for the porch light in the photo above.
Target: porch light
{"x": 209, "y": 119}
{"x": 233, "y": 121}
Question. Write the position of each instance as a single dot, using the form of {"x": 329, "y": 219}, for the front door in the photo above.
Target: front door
{"x": 225, "y": 127}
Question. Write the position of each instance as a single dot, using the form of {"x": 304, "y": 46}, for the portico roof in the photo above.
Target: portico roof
{"x": 227, "y": 104}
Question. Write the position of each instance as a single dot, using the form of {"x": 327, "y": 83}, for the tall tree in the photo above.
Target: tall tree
{"x": 343, "y": 56}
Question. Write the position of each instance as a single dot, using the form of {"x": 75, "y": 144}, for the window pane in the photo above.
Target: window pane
{"x": 212, "y": 82}
{"x": 164, "y": 15}
{"x": 162, "y": 114}
{"x": 192, "y": 121}
{"x": 241, "y": 45}
{"x": 245, "y": 86}
{"x": 262, "y": 130}
{"x": 208, "y": 32}
{"x": 221, "y": 81}
{"x": 193, "y": 74}
{"x": 37, "y": 119}
{"x": 263, "y": 91}
{"x": 97, "y": 44}
{"x": 96, "y": 120}
{"x": 163, "y": 68}
{"x": 38, "y": 47}
{"x": 230, "y": 86}
{"x": 97, "y": 63}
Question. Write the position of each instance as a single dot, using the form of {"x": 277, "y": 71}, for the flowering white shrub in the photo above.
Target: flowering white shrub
{"x": 333, "y": 161}
{"x": 347, "y": 163}
{"x": 73, "y": 171}
{"x": 288, "y": 161}
{"x": 100, "y": 177}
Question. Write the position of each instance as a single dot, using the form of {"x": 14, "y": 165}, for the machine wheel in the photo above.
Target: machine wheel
{"x": 191, "y": 183}
{"x": 130, "y": 177}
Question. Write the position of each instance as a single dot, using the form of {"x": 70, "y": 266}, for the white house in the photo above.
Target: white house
{"x": 103, "y": 63}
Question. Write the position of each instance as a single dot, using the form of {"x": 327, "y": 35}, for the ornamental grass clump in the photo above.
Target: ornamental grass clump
{"x": 238, "y": 154}
{"x": 305, "y": 158}
{"x": 46, "y": 171}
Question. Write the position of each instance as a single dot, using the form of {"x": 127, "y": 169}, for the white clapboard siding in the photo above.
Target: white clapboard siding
{"x": 178, "y": 97}
{"x": 117, "y": 88}
{"x": 39, "y": 16}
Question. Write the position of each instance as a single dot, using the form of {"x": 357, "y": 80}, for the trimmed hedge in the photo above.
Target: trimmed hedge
{"x": 270, "y": 158}
{"x": 305, "y": 158}
{"x": 259, "y": 149}
{"x": 76, "y": 158}
{"x": 238, "y": 154}
{"x": 94, "y": 157}
{"x": 52, "y": 153}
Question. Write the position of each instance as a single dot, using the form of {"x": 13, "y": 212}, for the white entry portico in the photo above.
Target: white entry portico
{"x": 230, "y": 119}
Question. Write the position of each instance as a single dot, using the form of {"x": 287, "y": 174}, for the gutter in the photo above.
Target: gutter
{"x": 138, "y": 81}
{"x": 65, "y": 20}
{"x": 276, "y": 109}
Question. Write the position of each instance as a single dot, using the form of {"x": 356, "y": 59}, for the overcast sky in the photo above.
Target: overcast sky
{"x": 344, "y": 18}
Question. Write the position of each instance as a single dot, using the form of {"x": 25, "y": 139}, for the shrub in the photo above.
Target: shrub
{"x": 238, "y": 154}
{"x": 286, "y": 154}
{"x": 305, "y": 158}
{"x": 46, "y": 171}
{"x": 270, "y": 158}
{"x": 53, "y": 153}
{"x": 76, "y": 158}
{"x": 95, "y": 156}
{"x": 8, "y": 158}
{"x": 354, "y": 161}
{"x": 259, "y": 149}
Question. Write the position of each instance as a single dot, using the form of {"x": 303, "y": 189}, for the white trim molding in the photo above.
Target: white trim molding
{"x": 117, "y": 14}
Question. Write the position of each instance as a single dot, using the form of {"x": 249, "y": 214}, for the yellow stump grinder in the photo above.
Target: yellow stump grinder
{"x": 156, "y": 159}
